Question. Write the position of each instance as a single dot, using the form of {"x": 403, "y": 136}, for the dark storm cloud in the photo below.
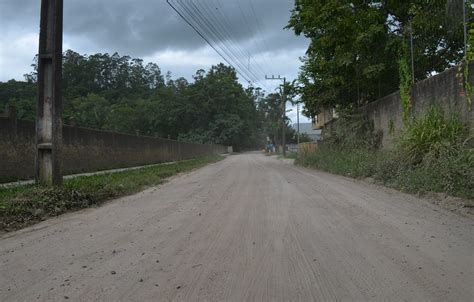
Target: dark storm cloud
{"x": 150, "y": 29}
{"x": 140, "y": 27}
{"x": 144, "y": 27}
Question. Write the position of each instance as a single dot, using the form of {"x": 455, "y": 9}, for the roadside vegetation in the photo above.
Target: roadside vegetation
{"x": 123, "y": 94}
{"x": 24, "y": 205}
{"x": 433, "y": 154}
{"x": 359, "y": 50}
{"x": 289, "y": 155}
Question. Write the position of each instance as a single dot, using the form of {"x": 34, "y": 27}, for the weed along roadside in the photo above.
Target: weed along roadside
{"x": 433, "y": 154}
{"x": 25, "y": 205}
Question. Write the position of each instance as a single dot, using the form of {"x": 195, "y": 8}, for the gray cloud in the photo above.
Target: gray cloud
{"x": 152, "y": 30}
{"x": 142, "y": 27}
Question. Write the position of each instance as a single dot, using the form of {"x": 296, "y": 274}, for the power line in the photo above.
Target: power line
{"x": 243, "y": 56}
{"x": 207, "y": 40}
{"x": 247, "y": 23}
{"x": 203, "y": 22}
{"x": 231, "y": 26}
{"x": 202, "y": 19}
{"x": 221, "y": 38}
{"x": 208, "y": 36}
{"x": 212, "y": 37}
{"x": 223, "y": 27}
{"x": 263, "y": 39}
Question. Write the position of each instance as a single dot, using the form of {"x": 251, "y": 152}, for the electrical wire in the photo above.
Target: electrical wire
{"x": 223, "y": 27}
{"x": 220, "y": 37}
{"x": 198, "y": 25}
{"x": 219, "y": 33}
{"x": 263, "y": 39}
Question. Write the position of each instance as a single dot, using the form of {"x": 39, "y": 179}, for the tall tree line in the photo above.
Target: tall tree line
{"x": 123, "y": 94}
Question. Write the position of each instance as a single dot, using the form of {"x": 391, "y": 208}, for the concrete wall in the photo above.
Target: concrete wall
{"x": 444, "y": 90}
{"x": 87, "y": 150}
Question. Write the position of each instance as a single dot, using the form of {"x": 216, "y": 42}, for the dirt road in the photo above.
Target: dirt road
{"x": 248, "y": 228}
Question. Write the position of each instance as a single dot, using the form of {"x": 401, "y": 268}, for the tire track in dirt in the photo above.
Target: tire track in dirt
{"x": 250, "y": 227}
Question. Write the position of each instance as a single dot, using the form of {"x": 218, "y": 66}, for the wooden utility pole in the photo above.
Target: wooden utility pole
{"x": 283, "y": 115}
{"x": 48, "y": 119}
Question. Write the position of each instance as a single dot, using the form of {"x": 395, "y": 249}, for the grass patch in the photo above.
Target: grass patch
{"x": 354, "y": 163}
{"x": 24, "y": 205}
{"x": 433, "y": 154}
{"x": 453, "y": 175}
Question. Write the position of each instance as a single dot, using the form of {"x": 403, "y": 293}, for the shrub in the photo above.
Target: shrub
{"x": 433, "y": 136}
{"x": 433, "y": 154}
{"x": 352, "y": 131}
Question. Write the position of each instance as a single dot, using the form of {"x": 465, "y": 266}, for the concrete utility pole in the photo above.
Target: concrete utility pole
{"x": 48, "y": 119}
{"x": 283, "y": 134}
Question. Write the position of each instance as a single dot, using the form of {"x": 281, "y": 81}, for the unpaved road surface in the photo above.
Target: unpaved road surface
{"x": 249, "y": 228}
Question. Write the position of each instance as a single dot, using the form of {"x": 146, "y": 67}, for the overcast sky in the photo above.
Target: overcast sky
{"x": 151, "y": 30}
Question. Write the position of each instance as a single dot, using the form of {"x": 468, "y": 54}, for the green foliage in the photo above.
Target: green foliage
{"x": 353, "y": 55}
{"x": 391, "y": 127}
{"x": 469, "y": 90}
{"x": 89, "y": 111}
{"x": 470, "y": 49}
{"x": 124, "y": 94}
{"x": 351, "y": 131}
{"x": 405, "y": 86}
{"x": 270, "y": 111}
{"x": 304, "y": 138}
{"x": 468, "y": 59}
{"x": 451, "y": 174}
{"x": 21, "y": 206}
{"x": 290, "y": 155}
{"x": 435, "y": 154}
{"x": 433, "y": 136}
{"x": 354, "y": 163}
{"x": 22, "y": 95}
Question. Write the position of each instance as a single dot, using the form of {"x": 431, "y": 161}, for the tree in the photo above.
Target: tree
{"x": 270, "y": 111}
{"x": 304, "y": 138}
{"x": 124, "y": 94}
{"x": 355, "y": 46}
{"x": 226, "y": 112}
{"x": 22, "y": 95}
